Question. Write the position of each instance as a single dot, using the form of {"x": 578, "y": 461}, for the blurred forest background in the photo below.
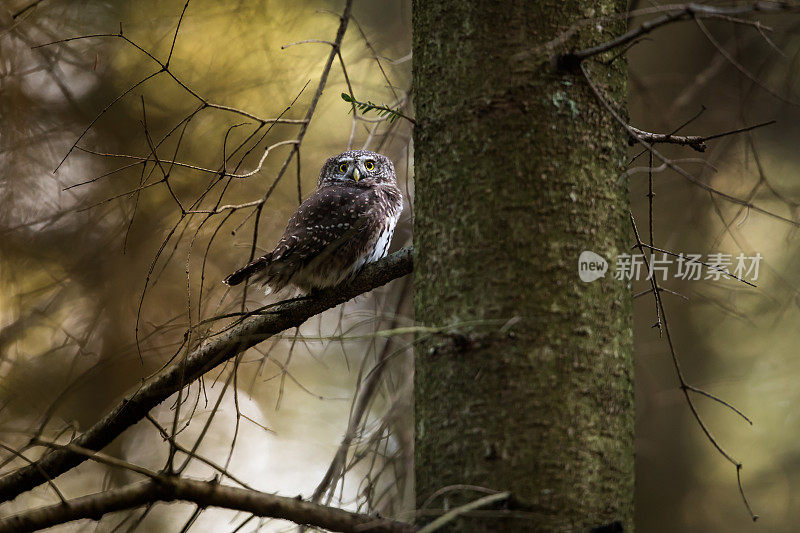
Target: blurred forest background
{"x": 104, "y": 264}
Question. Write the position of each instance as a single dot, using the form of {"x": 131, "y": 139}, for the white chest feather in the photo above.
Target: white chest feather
{"x": 384, "y": 240}
{"x": 380, "y": 245}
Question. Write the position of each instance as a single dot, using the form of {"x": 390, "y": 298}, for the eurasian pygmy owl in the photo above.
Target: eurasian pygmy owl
{"x": 346, "y": 223}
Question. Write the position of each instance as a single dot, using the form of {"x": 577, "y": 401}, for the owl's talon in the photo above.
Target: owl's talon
{"x": 313, "y": 294}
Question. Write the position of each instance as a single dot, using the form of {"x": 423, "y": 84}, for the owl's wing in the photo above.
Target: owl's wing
{"x": 328, "y": 218}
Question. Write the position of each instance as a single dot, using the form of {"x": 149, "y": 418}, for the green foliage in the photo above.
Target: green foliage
{"x": 382, "y": 110}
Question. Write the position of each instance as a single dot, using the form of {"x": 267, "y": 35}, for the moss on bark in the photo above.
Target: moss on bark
{"x": 517, "y": 171}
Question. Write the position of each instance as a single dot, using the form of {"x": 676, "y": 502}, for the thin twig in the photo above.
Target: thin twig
{"x": 458, "y": 511}
{"x": 696, "y": 142}
{"x": 682, "y": 380}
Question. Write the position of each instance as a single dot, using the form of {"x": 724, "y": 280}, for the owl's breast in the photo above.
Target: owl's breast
{"x": 377, "y": 245}
{"x": 370, "y": 220}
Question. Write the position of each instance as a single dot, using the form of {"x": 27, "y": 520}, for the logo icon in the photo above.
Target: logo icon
{"x": 591, "y": 266}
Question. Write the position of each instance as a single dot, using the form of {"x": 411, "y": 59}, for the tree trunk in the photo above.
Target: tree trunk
{"x": 517, "y": 172}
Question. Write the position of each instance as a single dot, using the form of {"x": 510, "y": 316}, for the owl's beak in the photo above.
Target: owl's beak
{"x": 356, "y": 175}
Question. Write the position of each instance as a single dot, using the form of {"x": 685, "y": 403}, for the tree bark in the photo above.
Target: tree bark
{"x": 517, "y": 172}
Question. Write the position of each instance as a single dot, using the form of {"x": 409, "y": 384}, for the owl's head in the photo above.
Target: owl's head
{"x": 357, "y": 168}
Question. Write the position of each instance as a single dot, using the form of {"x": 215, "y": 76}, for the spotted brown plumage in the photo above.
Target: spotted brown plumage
{"x": 343, "y": 225}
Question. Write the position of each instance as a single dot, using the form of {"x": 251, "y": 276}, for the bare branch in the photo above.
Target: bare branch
{"x": 696, "y": 142}
{"x": 247, "y": 333}
{"x": 204, "y": 494}
{"x": 677, "y": 13}
{"x": 671, "y": 164}
{"x": 25, "y": 9}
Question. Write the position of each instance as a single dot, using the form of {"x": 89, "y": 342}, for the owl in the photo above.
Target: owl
{"x": 347, "y": 222}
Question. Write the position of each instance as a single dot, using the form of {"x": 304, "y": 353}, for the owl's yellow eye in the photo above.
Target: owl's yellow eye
{"x": 343, "y": 167}
{"x": 369, "y": 165}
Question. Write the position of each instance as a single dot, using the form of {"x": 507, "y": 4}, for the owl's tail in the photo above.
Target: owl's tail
{"x": 247, "y": 271}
